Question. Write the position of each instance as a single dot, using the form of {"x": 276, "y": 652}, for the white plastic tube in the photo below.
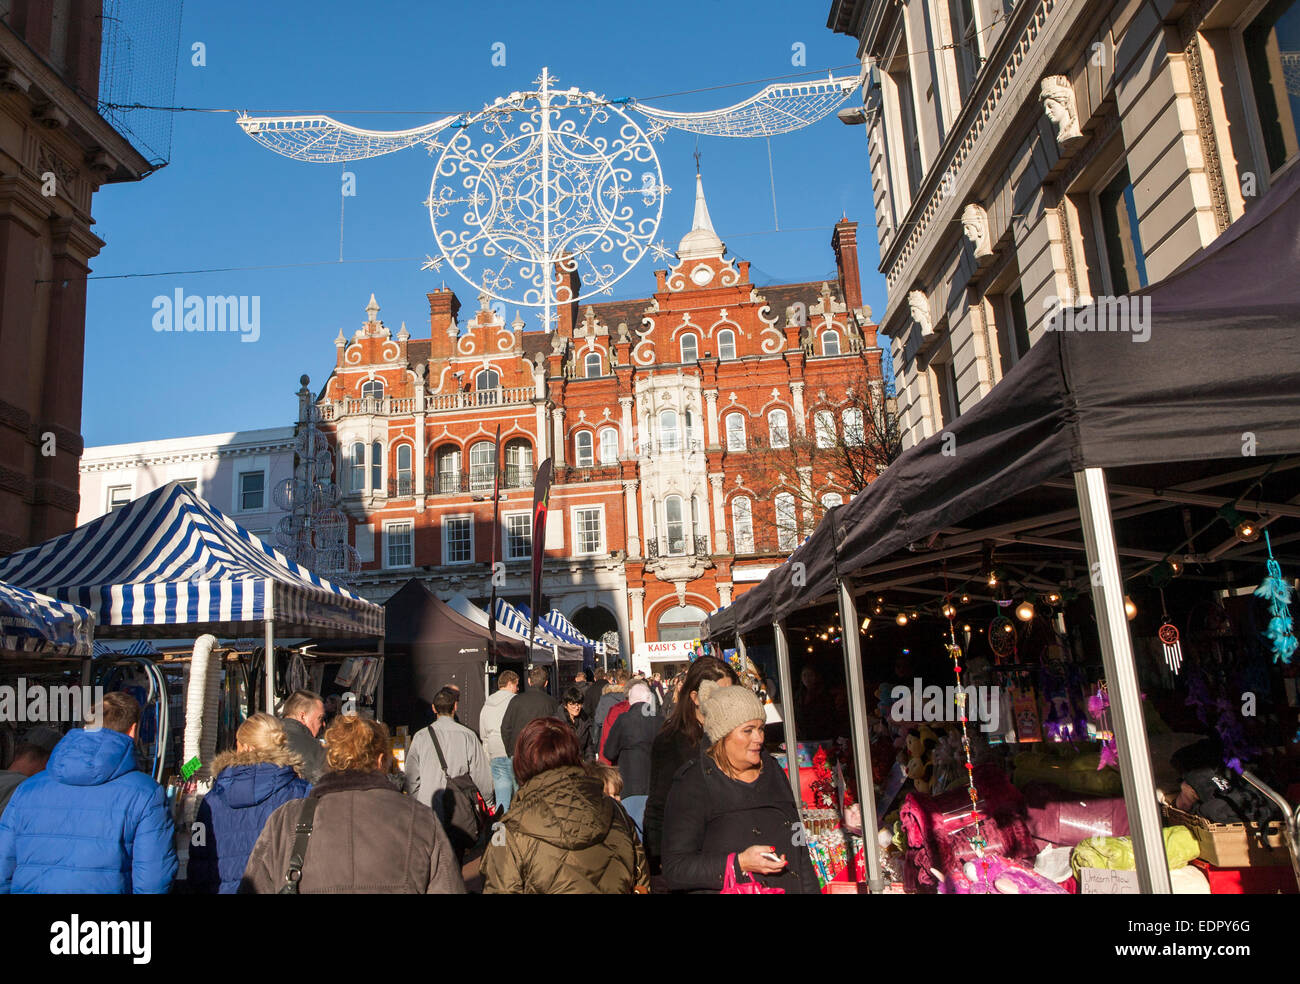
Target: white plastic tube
{"x": 201, "y": 704}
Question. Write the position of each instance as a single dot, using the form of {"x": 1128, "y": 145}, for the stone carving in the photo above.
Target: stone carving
{"x": 975, "y": 224}
{"x": 622, "y": 333}
{"x": 919, "y": 305}
{"x": 1057, "y": 96}
{"x": 557, "y": 344}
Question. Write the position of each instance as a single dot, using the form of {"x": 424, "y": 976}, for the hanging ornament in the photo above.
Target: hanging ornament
{"x": 1168, "y": 635}
{"x": 1274, "y": 590}
{"x": 1002, "y": 637}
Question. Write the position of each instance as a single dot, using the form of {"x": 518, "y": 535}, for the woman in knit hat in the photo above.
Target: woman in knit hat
{"x": 733, "y": 805}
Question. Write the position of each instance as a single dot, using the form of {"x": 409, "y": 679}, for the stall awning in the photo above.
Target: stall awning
{"x": 565, "y": 629}
{"x": 35, "y": 624}
{"x": 516, "y": 621}
{"x": 1216, "y": 378}
{"x": 169, "y": 559}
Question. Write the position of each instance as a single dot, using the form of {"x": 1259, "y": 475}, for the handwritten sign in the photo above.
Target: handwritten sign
{"x": 1102, "y": 881}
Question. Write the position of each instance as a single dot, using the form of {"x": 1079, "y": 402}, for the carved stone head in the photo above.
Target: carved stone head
{"x": 919, "y": 305}
{"x": 975, "y": 224}
{"x": 1057, "y": 96}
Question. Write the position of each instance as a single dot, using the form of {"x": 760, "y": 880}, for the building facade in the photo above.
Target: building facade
{"x": 236, "y": 472}
{"x": 56, "y": 151}
{"x": 671, "y": 422}
{"x": 1030, "y": 155}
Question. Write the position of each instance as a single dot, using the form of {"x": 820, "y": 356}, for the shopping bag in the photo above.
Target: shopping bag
{"x": 731, "y": 885}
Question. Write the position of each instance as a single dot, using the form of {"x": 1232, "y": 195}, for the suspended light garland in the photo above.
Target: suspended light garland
{"x": 977, "y": 840}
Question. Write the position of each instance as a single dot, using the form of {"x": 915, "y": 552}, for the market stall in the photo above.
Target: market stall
{"x": 1099, "y": 462}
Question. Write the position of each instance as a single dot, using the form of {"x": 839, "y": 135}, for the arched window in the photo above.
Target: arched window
{"x": 735, "y": 432}
{"x": 608, "y": 446}
{"x": 583, "y": 454}
{"x": 787, "y": 532}
{"x": 832, "y": 499}
{"x": 824, "y": 428}
{"x": 674, "y": 526}
{"x": 358, "y": 462}
{"x": 742, "y": 525}
{"x": 830, "y": 342}
{"x": 690, "y": 348}
{"x": 669, "y": 439}
{"x": 697, "y": 534}
{"x": 447, "y": 465}
{"x": 778, "y": 428}
{"x": 482, "y": 466}
{"x": 373, "y": 388}
{"x": 488, "y": 384}
{"x": 726, "y": 344}
{"x": 592, "y": 363}
{"x": 405, "y": 485}
{"x": 692, "y": 438}
{"x": 376, "y": 466}
{"x": 681, "y": 624}
{"x": 855, "y": 436}
{"x": 519, "y": 464}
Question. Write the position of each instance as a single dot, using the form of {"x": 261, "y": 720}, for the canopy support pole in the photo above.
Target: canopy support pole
{"x": 787, "y": 709}
{"x": 379, "y": 686}
{"x": 1122, "y": 684}
{"x": 851, "y": 636}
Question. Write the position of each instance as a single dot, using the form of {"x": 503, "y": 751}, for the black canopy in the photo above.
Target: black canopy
{"x": 1217, "y": 379}
{"x": 429, "y": 646}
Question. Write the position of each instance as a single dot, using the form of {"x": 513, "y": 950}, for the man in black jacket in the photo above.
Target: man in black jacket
{"x": 303, "y": 713}
{"x": 533, "y": 703}
{"x": 631, "y": 738}
{"x": 591, "y": 696}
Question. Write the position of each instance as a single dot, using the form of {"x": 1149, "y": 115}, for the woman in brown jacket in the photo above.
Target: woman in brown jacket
{"x": 562, "y": 835}
{"x": 366, "y": 836}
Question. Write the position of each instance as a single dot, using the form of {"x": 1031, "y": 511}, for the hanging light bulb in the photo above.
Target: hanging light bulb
{"x": 1247, "y": 531}
{"x": 913, "y": 615}
{"x": 949, "y": 610}
{"x": 965, "y": 599}
{"x": 1175, "y": 568}
{"x": 866, "y": 623}
{"x": 1025, "y": 611}
{"x": 1130, "y": 609}
{"x": 810, "y": 649}
{"x": 1053, "y": 598}
{"x": 1008, "y": 627}
{"x": 901, "y": 618}
{"x": 880, "y": 610}
{"x": 993, "y": 579}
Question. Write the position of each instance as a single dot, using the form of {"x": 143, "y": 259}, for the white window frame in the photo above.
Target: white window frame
{"x": 368, "y": 387}
{"x": 607, "y": 440}
{"x": 1254, "y": 128}
{"x": 507, "y": 553}
{"x": 695, "y": 343}
{"x": 516, "y": 445}
{"x": 487, "y": 395}
{"x": 831, "y": 333}
{"x": 899, "y": 132}
{"x": 778, "y": 437}
{"x": 732, "y": 445}
{"x": 409, "y": 470}
{"x": 854, "y": 437}
{"x": 586, "y": 365}
{"x": 675, "y": 441}
{"x": 745, "y": 544}
{"x": 576, "y": 533}
{"x": 1099, "y": 235}
{"x": 681, "y": 526}
{"x": 477, "y": 482}
{"x": 108, "y": 496}
{"x": 445, "y": 524}
{"x": 824, "y": 429}
{"x": 389, "y": 527}
{"x": 732, "y": 335}
{"x": 787, "y": 537}
{"x": 581, "y": 460}
{"x": 454, "y": 453}
{"x": 377, "y": 462}
{"x": 355, "y": 484}
{"x": 239, "y": 491}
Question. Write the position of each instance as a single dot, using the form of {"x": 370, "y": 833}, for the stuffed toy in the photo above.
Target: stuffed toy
{"x": 918, "y": 757}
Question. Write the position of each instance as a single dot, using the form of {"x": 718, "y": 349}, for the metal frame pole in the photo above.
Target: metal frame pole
{"x": 269, "y": 664}
{"x": 787, "y": 709}
{"x": 1122, "y": 685}
{"x": 850, "y": 635}
{"x": 379, "y": 685}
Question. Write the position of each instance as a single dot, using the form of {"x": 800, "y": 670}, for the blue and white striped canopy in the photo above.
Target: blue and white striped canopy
{"x": 36, "y": 624}
{"x": 562, "y": 627}
{"x": 169, "y": 558}
{"x": 141, "y": 647}
{"x": 517, "y": 621}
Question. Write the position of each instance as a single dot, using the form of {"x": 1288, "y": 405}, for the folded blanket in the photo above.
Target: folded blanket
{"x": 1060, "y": 817}
{"x": 939, "y": 829}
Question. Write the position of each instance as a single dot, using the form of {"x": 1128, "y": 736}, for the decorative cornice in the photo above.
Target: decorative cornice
{"x": 178, "y": 457}
{"x": 1213, "y": 165}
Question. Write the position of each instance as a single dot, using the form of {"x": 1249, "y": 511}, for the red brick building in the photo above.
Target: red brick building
{"x": 664, "y": 417}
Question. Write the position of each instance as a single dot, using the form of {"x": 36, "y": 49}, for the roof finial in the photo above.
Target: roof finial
{"x": 372, "y": 308}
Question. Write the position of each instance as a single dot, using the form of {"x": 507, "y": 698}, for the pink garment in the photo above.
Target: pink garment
{"x": 939, "y": 841}
{"x": 998, "y": 876}
{"x": 1061, "y": 818}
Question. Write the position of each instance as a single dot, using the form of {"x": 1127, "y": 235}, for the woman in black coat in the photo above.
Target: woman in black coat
{"x": 576, "y": 717}
{"x": 677, "y": 743}
{"x": 733, "y": 805}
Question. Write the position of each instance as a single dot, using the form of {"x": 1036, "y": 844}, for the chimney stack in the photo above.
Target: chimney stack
{"x": 845, "y": 243}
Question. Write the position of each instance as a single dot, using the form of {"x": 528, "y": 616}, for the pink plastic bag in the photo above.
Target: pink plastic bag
{"x": 731, "y": 885}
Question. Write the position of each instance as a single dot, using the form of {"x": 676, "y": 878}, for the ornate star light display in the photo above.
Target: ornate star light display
{"x": 550, "y": 182}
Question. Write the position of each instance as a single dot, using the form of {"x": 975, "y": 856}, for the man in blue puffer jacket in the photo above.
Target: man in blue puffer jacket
{"x": 91, "y": 823}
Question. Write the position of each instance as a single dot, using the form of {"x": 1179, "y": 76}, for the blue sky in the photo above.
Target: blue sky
{"x": 224, "y": 201}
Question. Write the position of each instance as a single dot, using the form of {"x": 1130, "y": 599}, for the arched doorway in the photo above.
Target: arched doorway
{"x": 596, "y": 623}
{"x": 681, "y": 622}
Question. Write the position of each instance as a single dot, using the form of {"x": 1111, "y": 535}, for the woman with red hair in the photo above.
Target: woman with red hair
{"x": 562, "y": 835}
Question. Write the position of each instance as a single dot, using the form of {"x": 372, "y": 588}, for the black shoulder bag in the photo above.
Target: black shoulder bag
{"x": 302, "y": 833}
{"x": 460, "y": 813}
